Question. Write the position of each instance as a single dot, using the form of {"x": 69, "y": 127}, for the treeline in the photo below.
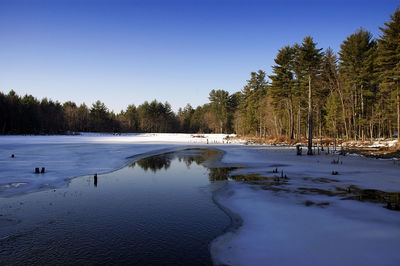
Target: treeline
{"x": 28, "y": 115}
{"x": 353, "y": 94}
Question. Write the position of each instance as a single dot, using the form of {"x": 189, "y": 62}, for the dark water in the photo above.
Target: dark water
{"x": 157, "y": 211}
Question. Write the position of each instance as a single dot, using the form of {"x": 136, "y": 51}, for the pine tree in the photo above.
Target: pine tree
{"x": 253, "y": 92}
{"x": 282, "y": 89}
{"x": 219, "y": 100}
{"x": 99, "y": 117}
{"x": 357, "y": 65}
{"x": 309, "y": 63}
{"x": 333, "y": 113}
{"x": 331, "y": 79}
{"x": 131, "y": 117}
{"x": 389, "y": 64}
{"x": 184, "y": 117}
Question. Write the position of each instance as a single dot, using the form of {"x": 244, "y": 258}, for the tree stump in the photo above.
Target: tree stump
{"x": 298, "y": 149}
{"x": 342, "y": 151}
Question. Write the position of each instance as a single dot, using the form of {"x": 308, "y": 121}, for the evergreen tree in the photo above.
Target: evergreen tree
{"x": 131, "y": 116}
{"x": 253, "y": 92}
{"x": 282, "y": 86}
{"x": 309, "y": 63}
{"x": 219, "y": 103}
{"x": 83, "y": 118}
{"x": 333, "y": 113}
{"x": 389, "y": 66}
{"x": 99, "y": 117}
{"x": 30, "y": 115}
{"x": 3, "y": 113}
{"x": 357, "y": 65}
{"x": 185, "y": 116}
{"x": 71, "y": 116}
{"x": 331, "y": 79}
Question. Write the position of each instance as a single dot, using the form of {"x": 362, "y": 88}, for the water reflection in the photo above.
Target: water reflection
{"x": 163, "y": 161}
{"x": 189, "y": 157}
{"x": 159, "y": 213}
{"x": 274, "y": 182}
{"x": 188, "y": 160}
{"x": 219, "y": 174}
{"x": 153, "y": 163}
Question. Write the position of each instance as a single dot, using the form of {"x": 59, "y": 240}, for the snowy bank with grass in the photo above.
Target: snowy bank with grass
{"x": 311, "y": 217}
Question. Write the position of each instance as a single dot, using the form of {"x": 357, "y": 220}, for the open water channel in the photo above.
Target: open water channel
{"x": 156, "y": 210}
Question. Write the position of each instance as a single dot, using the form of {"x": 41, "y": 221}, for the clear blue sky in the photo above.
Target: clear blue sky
{"x": 126, "y": 52}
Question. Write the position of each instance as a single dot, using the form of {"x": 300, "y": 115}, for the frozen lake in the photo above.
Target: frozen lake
{"x": 157, "y": 210}
{"x": 312, "y": 217}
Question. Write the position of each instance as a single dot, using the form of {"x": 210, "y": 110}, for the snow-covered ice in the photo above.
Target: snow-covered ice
{"x": 279, "y": 227}
{"x": 65, "y": 157}
{"x": 279, "y": 230}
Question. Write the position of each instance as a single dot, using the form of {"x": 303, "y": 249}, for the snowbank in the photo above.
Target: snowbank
{"x": 382, "y": 143}
{"x": 304, "y": 220}
{"x": 279, "y": 230}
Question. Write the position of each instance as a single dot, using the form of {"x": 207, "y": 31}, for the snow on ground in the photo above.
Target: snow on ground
{"x": 353, "y": 170}
{"x": 154, "y": 138}
{"x": 280, "y": 229}
{"x": 381, "y": 143}
{"x": 301, "y": 221}
{"x": 65, "y": 157}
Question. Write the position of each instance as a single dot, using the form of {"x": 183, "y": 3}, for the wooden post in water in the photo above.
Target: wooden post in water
{"x": 95, "y": 180}
{"x": 342, "y": 151}
{"x": 298, "y": 149}
{"x": 37, "y": 170}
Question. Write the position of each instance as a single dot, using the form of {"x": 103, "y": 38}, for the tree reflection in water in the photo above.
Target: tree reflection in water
{"x": 219, "y": 174}
{"x": 189, "y": 156}
{"x": 200, "y": 156}
{"x": 153, "y": 163}
{"x": 159, "y": 162}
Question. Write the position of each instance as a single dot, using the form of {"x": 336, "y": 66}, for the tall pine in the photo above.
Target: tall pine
{"x": 389, "y": 65}
{"x": 357, "y": 66}
{"x": 282, "y": 89}
{"x": 309, "y": 63}
{"x": 252, "y": 94}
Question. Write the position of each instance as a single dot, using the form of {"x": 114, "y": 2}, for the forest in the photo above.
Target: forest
{"x": 352, "y": 94}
